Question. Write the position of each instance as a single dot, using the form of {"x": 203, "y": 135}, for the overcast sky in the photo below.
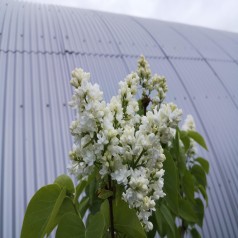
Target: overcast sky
{"x": 217, "y": 14}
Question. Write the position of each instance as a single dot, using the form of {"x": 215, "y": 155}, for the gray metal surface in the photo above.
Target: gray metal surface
{"x": 40, "y": 45}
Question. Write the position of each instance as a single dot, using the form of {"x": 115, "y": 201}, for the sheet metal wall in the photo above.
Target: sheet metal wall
{"x": 41, "y": 44}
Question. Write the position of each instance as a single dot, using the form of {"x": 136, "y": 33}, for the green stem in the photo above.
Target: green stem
{"x": 76, "y": 210}
{"x": 183, "y": 225}
{"x": 110, "y": 200}
{"x": 145, "y": 102}
{"x": 137, "y": 161}
{"x": 183, "y": 229}
{"x": 144, "y": 111}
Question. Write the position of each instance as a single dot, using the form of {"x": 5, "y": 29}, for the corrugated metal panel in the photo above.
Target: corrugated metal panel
{"x": 40, "y": 45}
{"x": 219, "y": 52}
{"x": 227, "y": 72}
{"x": 130, "y": 38}
{"x": 86, "y": 33}
{"x": 8, "y": 26}
{"x": 169, "y": 41}
{"x": 206, "y": 47}
{"x": 33, "y": 132}
{"x": 231, "y": 35}
{"x": 219, "y": 123}
{"x": 223, "y": 41}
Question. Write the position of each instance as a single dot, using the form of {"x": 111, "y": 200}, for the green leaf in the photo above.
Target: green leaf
{"x": 178, "y": 153}
{"x": 204, "y": 163}
{"x": 204, "y": 193}
{"x": 79, "y": 189}
{"x": 176, "y": 142}
{"x": 70, "y": 226}
{"x": 64, "y": 181}
{"x": 104, "y": 209}
{"x": 170, "y": 234}
{"x": 199, "y": 174}
{"x": 195, "y": 233}
{"x": 198, "y": 138}
{"x": 66, "y": 207}
{"x": 126, "y": 221}
{"x": 42, "y": 210}
{"x": 199, "y": 210}
{"x": 160, "y": 223}
{"x": 168, "y": 218}
{"x": 188, "y": 185}
{"x": 88, "y": 185}
{"x": 104, "y": 193}
{"x": 83, "y": 206}
{"x": 186, "y": 211}
{"x": 171, "y": 182}
{"x": 96, "y": 226}
{"x": 185, "y": 139}
{"x": 94, "y": 201}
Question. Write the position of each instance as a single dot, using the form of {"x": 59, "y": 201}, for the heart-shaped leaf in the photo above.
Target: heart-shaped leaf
{"x": 42, "y": 211}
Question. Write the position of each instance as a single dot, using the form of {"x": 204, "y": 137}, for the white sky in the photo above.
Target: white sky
{"x": 217, "y": 14}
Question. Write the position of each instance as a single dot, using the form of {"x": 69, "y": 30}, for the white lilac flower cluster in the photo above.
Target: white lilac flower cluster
{"x": 189, "y": 125}
{"x": 118, "y": 141}
{"x": 156, "y": 83}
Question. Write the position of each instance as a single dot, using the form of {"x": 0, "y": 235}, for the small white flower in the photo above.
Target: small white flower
{"x": 121, "y": 175}
{"x": 78, "y": 75}
{"x": 189, "y": 124}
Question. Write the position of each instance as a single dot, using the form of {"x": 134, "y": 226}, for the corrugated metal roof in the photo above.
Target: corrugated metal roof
{"x": 167, "y": 39}
{"x": 204, "y": 46}
{"x": 41, "y": 44}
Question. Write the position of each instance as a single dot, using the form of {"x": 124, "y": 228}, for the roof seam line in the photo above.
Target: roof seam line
{"x": 116, "y": 55}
